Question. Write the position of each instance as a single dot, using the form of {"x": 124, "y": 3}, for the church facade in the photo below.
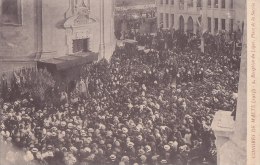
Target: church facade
{"x": 31, "y": 30}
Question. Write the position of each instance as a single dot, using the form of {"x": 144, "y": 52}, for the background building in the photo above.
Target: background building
{"x": 185, "y": 14}
{"x": 32, "y": 30}
{"x": 133, "y": 2}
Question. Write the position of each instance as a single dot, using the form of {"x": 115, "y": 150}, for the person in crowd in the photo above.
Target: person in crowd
{"x": 152, "y": 106}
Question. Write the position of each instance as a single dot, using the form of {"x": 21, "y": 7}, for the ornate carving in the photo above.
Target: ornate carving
{"x": 82, "y": 34}
{"x": 81, "y": 14}
{"x": 78, "y": 23}
{"x": 81, "y": 20}
{"x": 82, "y": 7}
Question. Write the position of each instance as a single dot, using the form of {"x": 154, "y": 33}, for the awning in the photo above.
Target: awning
{"x": 68, "y": 61}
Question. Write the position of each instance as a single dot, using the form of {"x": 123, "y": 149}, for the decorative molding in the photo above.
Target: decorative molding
{"x": 78, "y": 23}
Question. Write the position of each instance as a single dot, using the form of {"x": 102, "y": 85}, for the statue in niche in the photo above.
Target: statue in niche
{"x": 79, "y": 14}
{"x": 82, "y": 7}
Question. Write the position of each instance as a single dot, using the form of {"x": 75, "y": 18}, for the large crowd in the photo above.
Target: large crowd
{"x": 152, "y": 106}
{"x": 134, "y": 21}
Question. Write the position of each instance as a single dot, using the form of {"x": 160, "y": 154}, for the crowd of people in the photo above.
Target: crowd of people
{"x": 143, "y": 107}
{"x": 134, "y": 21}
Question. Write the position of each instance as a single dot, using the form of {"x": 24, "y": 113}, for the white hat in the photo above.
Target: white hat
{"x": 125, "y": 130}
{"x": 113, "y": 157}
{"x": 139, "y": 137}
{"x": 130, "y": 144}
{"x": 34, "y": 150}
{"x": 167, "y": 147}
{"x": 148, "y": 148}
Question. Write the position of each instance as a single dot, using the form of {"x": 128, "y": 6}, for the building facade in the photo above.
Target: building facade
{"x": 194, "y": 15}
{"x": 31, "y": 30}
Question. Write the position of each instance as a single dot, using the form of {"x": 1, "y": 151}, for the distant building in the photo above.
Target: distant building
{"x": 33, "y": 30}
{"x": 133, "y": 2}
{"x": 186, "y": 15}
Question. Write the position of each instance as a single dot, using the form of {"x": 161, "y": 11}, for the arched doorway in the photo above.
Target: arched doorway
{"x": 190, "y": 25}
{"x": 181, "y": 23}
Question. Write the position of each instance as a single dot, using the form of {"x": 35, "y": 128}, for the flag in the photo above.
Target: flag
{"x": 199, "y": 21}
{"x": 203, "y": 30}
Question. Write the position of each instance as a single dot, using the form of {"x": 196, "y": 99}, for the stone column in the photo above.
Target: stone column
{"x": 219, "y": 24}
{"x": 195, "y": 26}
{"x": 102, "y": 30}
{"x": 158, "y": 19}
{"x": 227, "y": 24}
{"x": 170, "y": 20}
{"x": 164, "y": 20}
{"x": 212, "y": 25}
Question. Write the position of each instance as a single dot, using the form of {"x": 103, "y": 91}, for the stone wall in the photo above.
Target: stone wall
{"x": 19, "y": 41}
{"x": 42, "y": 33}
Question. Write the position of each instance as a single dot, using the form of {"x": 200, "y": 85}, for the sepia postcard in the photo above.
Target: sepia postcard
{"x": 129, "y": 82}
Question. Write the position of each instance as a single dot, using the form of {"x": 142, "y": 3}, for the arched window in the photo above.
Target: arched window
{"x": 190, "y": 25}
{"x": 181, "y": 23}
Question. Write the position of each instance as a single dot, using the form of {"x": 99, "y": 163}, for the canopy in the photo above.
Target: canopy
{"x": 68, "y": 61}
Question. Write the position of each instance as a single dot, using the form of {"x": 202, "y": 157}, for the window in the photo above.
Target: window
{"x": 172, "y": 2}
{"x": 209, "y": 3}
{"x": 209, "y": 24}
{"x": 231, "y": 24}
{"x": 172, "y": 18}
{"x": 216, "y": 3}
{"x": 167, "y": 20}
{"x": 161, "y": 2}
{"x": 231, "y": 4}
{"x": 223, "y": 24}
{"x": 80, "y": 45}
{"x": 199, "y": 4}
{"x": 216, "y": 24}
{"x": 161, "y": 18}
{"x": 181, "y": 5}
{"x": 11, "y": 12}
{"x": 166, "y": 2}
{"x": 223, "y": 4}
{"x": 190, "y": 3}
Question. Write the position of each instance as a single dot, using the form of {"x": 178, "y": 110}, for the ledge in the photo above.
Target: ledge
{"x": 223, "y": 124}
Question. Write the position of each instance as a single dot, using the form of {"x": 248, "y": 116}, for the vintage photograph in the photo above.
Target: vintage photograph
{"x": 123, "y": 82}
